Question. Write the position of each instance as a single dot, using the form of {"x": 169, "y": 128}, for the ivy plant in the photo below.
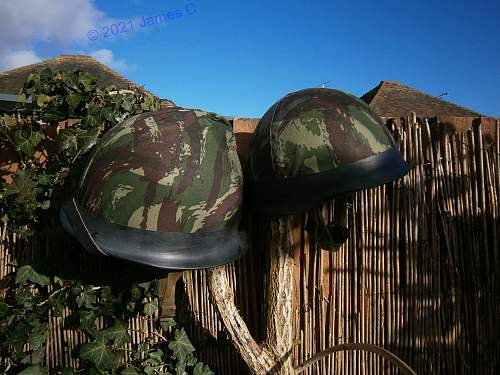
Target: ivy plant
{"x": 63, "y": 116}
{"x": 49, "y": 149}
{"x": 24, "y": 326}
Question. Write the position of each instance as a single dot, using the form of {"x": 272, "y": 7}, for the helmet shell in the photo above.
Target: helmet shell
{"x": 317, "y": 137}
{"x": 168, "y": 174}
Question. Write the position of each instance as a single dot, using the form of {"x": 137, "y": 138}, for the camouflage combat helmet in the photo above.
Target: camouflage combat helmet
{"x": 162, "y": 189}
{"x": 314, "y": 145}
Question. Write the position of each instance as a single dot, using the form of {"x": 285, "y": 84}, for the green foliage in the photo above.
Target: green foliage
{"x": 31, "y": 204}
{"x": 24, "y": 324}
{"x": 35, "y": 130}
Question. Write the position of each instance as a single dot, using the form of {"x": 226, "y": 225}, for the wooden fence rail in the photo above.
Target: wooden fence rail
{"x": 418, "y": 276}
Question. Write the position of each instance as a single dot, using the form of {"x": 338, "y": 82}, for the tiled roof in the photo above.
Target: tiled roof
{"x": 393, "y": 99}
{"x": 12, "y": 80}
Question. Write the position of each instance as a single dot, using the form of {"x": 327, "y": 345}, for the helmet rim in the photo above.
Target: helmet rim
{"x": 166, "y": 250}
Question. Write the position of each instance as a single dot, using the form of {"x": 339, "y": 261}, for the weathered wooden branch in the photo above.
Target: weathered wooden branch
{"x": 257, "y": 358}
{"x": 274, "y": 356}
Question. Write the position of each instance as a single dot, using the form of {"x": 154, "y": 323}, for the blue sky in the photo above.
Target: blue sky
{"x": 238, "y": 58}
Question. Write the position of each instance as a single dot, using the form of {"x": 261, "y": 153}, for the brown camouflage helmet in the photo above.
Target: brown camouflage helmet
{"x": 162, "y": 189}
{"x": 313, "y": 145}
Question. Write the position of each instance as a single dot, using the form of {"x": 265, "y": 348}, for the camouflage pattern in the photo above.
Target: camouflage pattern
{"x": 315, "y": 130}
{"x": 175, "y": 170}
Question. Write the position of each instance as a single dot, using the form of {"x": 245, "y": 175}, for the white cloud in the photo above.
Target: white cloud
{"x": 19, "y": 58}
{"x": 26, "y": 23}
{"x": 105, "y": 56}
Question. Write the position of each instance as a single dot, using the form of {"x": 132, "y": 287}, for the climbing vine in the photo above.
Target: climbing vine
{"x": 49, "y": 137}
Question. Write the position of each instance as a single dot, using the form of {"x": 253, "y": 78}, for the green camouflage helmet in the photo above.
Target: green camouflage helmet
{"x": 162, "y": 189}
{"x": 313, "y": 145}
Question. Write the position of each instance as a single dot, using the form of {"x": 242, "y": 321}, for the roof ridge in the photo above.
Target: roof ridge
{"x": 115, "y": 73}
{"x": 66, "y": 57}
{"x": 386, "y": 83}
{"x": 45, "y": 61}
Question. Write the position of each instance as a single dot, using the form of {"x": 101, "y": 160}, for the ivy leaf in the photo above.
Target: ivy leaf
{"x": 87, "y": 140}
{"x": 99, "y": 354}
{"x": 67, "y": 141}
{"x": 9, "y": 121}
{"x": 37, "y": 339}
{"x": 201, "y": 369}
{"x": 24, "y": 297}
{"x": 57, "y": 303}
{"x": 23, "y": 144}
{"x": 70, "y": 79}
{"x": 86, "y": 80}
{"x": 33, "y": 79}
{"x": 150, "y": 308}
{"x": 180, "y": 369}
{"x": 42, "y": 100}
{"x": 23, "y": 187}
{"x": 118, "y": 332}
{"x": 53, "y": 115}
{"x": 45, "y": 179}
{"x": 155, "y": 358}
{"x": 87, "y": 297}
{"x": 135, "y": 294}
{"x": 21, "y": 98}
{"x": 77, "y": 140}
{"x": 27, "y": 360}
{"x": 17, "y": 336}
{"x": 108, "y": 114}
{"x": 27, "y": 273}
{"x": 191, "y": 360}
{"x": 73, "y": 100}
{"x": 149, "y": 103}
{"x": 166, "y": 324}
{"x": 27, "y": 144}
{"x": 86, "y": 319}
{"x": 181, "y": 346}
{"x": 35, "y": 370}
{"x": 127, "y": 102}
{"x": 131, "y": 306}
{"x": 37, "y": 356}
{"x": 90, "y": 121}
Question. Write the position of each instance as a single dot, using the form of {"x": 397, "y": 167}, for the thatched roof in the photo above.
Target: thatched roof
{"x": 11, "y": 81}
{"x": 393, "y": 99}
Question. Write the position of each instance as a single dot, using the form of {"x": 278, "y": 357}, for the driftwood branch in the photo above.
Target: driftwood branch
{"x": 274, "y": 357}
{"x": 257, "y": 358}
{"x": 279, "y": 294}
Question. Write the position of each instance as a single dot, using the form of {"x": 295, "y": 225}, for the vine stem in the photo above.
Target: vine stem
{"x": 52, "y": 295}
{"x": 147, "y": 333}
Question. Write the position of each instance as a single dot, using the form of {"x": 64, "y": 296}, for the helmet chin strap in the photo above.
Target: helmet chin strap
{"x": 333, "y": 235}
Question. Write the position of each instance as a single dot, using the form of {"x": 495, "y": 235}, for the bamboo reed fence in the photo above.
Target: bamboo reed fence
{"x": 419, "y": 275}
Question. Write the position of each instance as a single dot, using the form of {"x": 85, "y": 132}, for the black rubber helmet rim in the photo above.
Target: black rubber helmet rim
{"x": 175, "y": 251}
{"x": 287, "y": 196}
